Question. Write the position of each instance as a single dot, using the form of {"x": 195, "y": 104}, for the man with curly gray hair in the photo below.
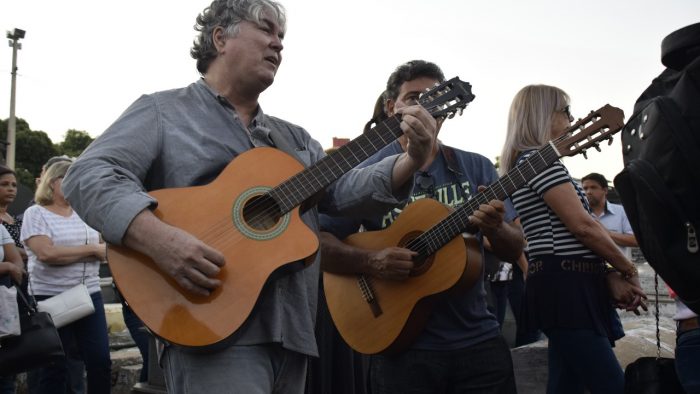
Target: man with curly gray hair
{"x": 187, "y": 137}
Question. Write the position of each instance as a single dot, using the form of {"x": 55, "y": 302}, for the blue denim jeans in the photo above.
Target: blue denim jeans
{"x": 486, "y": 367}
{"x": 140, "y": 336}
{"x": 581, "y": 359}
{"x": 688, "y": 360}
{"x": 90, "y": 336}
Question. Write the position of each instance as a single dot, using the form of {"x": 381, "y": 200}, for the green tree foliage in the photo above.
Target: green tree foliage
{"x": 26, "y": 178}
{"x": 34, "y": 148}
{"x": 74, "y": 143}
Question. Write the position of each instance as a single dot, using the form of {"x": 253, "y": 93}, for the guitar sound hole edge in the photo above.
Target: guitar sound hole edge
{"x": 421, "y": 265}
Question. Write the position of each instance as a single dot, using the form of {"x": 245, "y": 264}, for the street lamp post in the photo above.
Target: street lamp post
{"x": 14, "y": 37}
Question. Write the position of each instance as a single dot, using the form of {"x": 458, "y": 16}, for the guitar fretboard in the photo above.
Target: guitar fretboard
{"x": 444, "y": 100}
{"x": 439, "y": 235}
{"x": 305, "y": 184}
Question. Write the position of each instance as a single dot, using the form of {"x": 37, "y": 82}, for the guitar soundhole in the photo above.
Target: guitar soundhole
{"x": 261, "y": 212}
{"x": 421, "y": 262}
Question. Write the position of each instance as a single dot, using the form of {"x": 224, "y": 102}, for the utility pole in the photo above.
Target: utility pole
{"x": 14, "y": 37}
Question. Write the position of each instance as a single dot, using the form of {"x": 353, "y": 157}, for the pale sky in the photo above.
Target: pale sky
{"x": 84, "y": 61}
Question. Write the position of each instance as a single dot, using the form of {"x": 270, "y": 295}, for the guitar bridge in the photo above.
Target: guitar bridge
{"x": 368, "y": 295}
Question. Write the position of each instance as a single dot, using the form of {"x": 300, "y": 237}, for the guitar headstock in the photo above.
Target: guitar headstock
{"x": 590, "y": 131}
{"x": 448, "y": 98}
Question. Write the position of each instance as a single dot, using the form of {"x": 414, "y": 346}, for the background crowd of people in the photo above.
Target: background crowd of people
{"x": 558, "y": 246}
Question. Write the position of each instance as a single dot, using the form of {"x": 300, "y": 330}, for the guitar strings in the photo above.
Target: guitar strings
{"x": 425, "y": 244}
{"x": 443, "y": 232}
{"x": 432, "y": 239}
{"x": 302, "y": 182}
{"x": 429, "y": 101}
{"x": 457, "y": 221}
{"x": 305, "y": 181}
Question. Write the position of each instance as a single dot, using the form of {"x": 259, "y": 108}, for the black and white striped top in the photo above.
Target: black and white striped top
{"x": 545, "y": 232}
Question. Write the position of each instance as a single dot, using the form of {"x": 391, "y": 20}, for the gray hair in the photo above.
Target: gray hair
{"x": 229, "y": 14}
{"x": 530, "y": 121}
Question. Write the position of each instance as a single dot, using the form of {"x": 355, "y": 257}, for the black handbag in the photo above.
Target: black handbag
{"x": 38, "y": 345}
{"x": 653, "y": 375}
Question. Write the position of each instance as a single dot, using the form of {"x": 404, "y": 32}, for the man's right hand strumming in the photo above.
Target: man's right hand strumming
{"x": 193, "y": 264}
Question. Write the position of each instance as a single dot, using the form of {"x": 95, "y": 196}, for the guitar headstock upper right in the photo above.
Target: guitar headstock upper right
{"x": 589, "y": 131}
{"x": 448, "y": 98}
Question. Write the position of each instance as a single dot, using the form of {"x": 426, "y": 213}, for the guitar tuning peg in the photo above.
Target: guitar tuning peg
{"x": 461, "y": 111}
{"x": 597, "y": 147}
{"x": 610, "y": 140}
{"x": 585, "y": 156}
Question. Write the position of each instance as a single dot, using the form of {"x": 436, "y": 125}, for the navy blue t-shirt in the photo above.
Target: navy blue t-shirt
{"x": 458, "y": 321}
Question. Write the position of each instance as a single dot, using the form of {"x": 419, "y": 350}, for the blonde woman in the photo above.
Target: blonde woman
{"x": 568, "y": 286}
{"x": 63, "y": 251}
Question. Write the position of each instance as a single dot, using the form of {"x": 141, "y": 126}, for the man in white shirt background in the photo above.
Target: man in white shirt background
{"x": 611, "y": 216}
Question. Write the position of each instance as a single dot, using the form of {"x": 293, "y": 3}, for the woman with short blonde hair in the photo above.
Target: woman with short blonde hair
{"x": 63, "y": 251}
{"x": 44, "y": 190}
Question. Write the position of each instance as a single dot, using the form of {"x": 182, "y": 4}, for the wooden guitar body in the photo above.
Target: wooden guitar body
{"x": 378, "y": 316}
{"x": 402, "y": 308}
{"x": 250, "y": 213}
{"x": 225, "y": 215}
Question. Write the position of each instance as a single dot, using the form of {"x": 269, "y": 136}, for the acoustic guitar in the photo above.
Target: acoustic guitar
{"x": 251, "y": 215}
{"x": 383, "y": 316}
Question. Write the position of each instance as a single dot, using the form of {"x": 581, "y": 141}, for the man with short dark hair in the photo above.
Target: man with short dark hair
{"x": 460, "y": 348}
{"x": 611, "y": 216}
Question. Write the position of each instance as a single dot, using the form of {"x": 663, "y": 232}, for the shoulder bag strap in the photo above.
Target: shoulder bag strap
{"x": 450, "y": 158}
{"x": 86, "y": 243}
{"x": 656, "y": 314}
{"x": 28, "y": 300}
{"x": 282, "y": 144}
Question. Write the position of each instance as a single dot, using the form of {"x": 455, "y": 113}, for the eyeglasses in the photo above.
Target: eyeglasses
{"x": 425, "y": 182}
{"x": 567, "y": 111}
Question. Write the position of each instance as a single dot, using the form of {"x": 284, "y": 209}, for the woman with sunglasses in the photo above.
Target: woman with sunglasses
{"x": 569, "y": 291}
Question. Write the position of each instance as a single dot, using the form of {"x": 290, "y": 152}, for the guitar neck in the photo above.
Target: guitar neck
{"x": 307, "y": 183}
{"x": 444, "y": 100}
{"x": 439, "y": 235}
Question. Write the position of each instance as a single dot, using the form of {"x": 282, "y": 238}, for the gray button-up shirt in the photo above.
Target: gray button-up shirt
{"x": 185, "y": 137}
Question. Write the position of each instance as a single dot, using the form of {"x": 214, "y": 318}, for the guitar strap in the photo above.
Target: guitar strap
{"x": 491, "y": 262}
{"x": 281, "y": 143}
{"x": 451, "y": 160}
